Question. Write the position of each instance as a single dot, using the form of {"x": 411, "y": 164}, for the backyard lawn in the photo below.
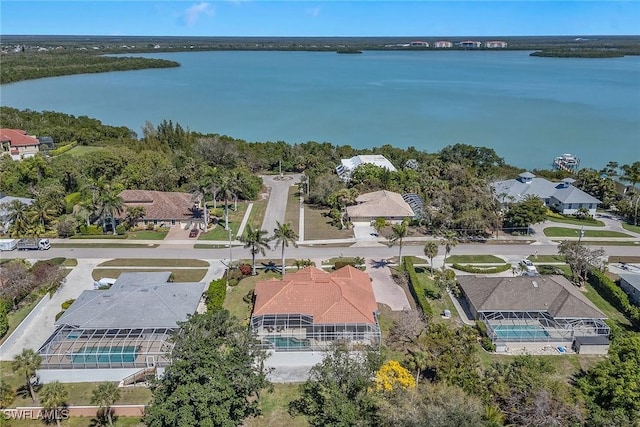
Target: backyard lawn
{"x": 573, "y": 232}
{"x": 317, "y": 226}
{"x": 234, "y": 301}
{"x": 274, "y": 407}
{"x": 612, "y": 313}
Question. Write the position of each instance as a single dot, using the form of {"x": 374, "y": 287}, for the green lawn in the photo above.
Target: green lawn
{"x": 147, "y": 235}
{"x": 632, "y": 228}
{"x": 235, "y": 218}
{"x": 573, "y": 232}
{"x": 611, "y": 312}
{"x": 627, "y": 259}
{"x": 274, "y": 408}
{"x": 24, "y": 308}
{"x": 317, "y": 226}
{"x": 81, "y": 150}
{"x": 474, "y": 259}
{"x": 292, "y": 215}
{"x": 234, "y": 301}
{"x": 546, "y": 258}
{"x": 70, "y": 262}
{"x": 594, "y": 223}
{"x": 179, "y": 275}
{"x": 257, "y": 214}
{"x": 610, "y": 243}
{"x": 154, "y": 262}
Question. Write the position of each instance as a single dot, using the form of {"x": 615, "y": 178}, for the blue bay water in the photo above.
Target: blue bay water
{"x": 528, "y": 109}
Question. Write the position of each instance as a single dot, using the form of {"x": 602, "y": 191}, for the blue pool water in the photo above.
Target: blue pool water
{"x": 521, "y": 332}
{"x": 121, "y": 354}
{"x": 288, "y": 342}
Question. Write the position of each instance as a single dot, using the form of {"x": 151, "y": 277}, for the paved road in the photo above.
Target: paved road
{"x": 277, "y": 206}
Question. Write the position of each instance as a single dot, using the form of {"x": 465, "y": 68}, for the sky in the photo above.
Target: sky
{"x": 319, "y": 18}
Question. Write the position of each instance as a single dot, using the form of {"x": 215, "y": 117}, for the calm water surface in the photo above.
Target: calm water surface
{"x": 528, "y": 109}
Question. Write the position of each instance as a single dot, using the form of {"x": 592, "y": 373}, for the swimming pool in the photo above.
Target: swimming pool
{"x": 520, "y": 332}
{"x": 118, "y": 354}
{"x": 288, "y": 342}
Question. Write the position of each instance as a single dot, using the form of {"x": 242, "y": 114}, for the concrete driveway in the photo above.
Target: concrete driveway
{"x": 277, "y": 205}
{"x": 385, "y": 288}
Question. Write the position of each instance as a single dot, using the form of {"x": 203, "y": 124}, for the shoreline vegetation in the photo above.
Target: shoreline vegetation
{"x": 26, "y": 57}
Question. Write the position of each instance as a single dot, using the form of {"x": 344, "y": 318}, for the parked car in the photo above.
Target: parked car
{"x": 528, "y": 265}
{"x": 193, "y": 233}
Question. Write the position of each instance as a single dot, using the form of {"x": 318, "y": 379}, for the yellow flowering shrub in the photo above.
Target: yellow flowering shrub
{"x": 392, "y": 376}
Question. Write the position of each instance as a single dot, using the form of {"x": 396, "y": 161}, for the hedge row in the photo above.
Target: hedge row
{"x": 5, "y": 306}
{"x": 414, "y": 287}
{"x": 216, "y": 294}
{"x": 479, "y": 270}
{"x": 62, "y": 149}
{"x": 614, "y": 295}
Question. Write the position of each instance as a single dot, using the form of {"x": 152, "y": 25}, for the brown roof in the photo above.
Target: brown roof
{"x": 343, "y": 296}
{"x": 552, "y": 294}
{"x": 381, "y": 203}
{"x": 160, "y": 204}
{"x": 17, "y": 138}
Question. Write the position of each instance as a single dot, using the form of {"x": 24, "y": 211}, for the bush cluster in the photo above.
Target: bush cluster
{"x": 90, "y": 230}
{"x": 65, "y": 305}
{"x": 614, "y": 295}
{"x": 5, "y": 306}
{"x": 480, "y": 270}
{"x": 485, "y": 341}
{"x": 216, "y": 294}
{"x": 416, "y": 290}
{"x": 245, "y": 269}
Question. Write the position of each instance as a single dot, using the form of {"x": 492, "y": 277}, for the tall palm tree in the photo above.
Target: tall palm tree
{"x": 283, "y": 234}
{"x": 631, "y": 174}
{"x": 42, "y": 211}
{"x": 54, "y": 396}
{"x": 110, "y": 204}
{"x": 398, "y": 233}
{"x": 18, "y": 218}
{"x": 134, "y": 214}
{"x": 450, "y": 241}
{"x": 105, "y": 395}
{"x": 256, "y": 241}
{"x": 228, "y": 189}
{"x": 431, "y": 251}
{"x": 27, "y": 363}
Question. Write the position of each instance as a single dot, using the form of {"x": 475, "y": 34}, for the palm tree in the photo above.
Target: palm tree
{"x": 631, "y": 174}
{"x": 379, "y": 224}
{"x": 105, "y": 395}
{"x": 450, "y": 241}
{"x": 111, "y": 204}
{"x": 42, "y": 211}
{"x": 228, "y": 189}
{"x": 18, "y": 218}
{"x": 283, "y": 234}
{"x": 134, "y": 214}
{"x": 398, "y": 233}
{"x": 431, "y": 251}
{"x": 27, "y": 363}
{"x": 53, "y": 396}
{"x": 256, "y": 241}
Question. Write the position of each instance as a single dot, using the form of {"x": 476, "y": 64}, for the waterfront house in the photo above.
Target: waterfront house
{"x": 380, "y": 204}
{"x": 164, "y": 208}
{"x": 17, "y": 144}
{"x": 311, "y": 308}
{"x": 442, "y": 44}
{"x": 562, "y": 197}
{"x": 470, "y": 44}
{"x": 493, "y": 44}
{"x": 347, "y": 166}
{"x": 535, "y": 312}
{"x": 419, "y": 44}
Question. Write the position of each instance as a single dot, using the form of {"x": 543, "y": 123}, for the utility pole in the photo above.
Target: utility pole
{"x": 581, "y": 234}
{"x": 230, "y": 258}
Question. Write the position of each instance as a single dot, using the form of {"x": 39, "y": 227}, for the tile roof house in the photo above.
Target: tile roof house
{"x": 309, "y": 309}
{"x": 347, "y": 166}
{"x": 18, "y": 144}
{"x": 163, "y": 207}
{"x": 562, "y": 196}
{"x": 380, "y": 204}
{"x": 531, "y": 309}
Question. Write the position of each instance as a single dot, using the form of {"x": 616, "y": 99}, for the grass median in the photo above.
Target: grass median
{"x": 573, "y": 232}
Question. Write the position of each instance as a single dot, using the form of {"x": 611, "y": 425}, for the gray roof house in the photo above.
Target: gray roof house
{"x": 630, "y": 283}
{"x": 111, "y": 334}
{"x": 561, "y": 196}
{"x": 530, "y": 310}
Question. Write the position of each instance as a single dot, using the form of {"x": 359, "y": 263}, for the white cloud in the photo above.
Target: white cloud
{"x": 313, "y": 11}
{"x": 194, "y": 12}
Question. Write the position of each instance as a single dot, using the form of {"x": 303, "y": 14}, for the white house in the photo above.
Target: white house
{"x": 561, "y": 196}
{"x": 347, "y": 166}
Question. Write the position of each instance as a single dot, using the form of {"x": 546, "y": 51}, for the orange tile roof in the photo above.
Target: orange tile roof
{"x": 343, "y": 296}
{"x": 17, "y": 138}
